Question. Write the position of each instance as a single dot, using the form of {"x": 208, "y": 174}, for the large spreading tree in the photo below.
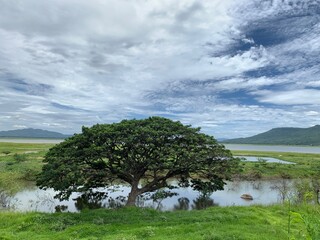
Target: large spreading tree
{"x": 145, "y": 154}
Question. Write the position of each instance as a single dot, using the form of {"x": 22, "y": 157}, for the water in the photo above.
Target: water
{"x": 31, "y": 140}
{"x": 266, "y": 159}
{"x": 273, "y": 148}
{"x": 263, "y": 192}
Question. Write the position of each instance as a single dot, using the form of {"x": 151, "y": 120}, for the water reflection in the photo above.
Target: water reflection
{"x": 202, "y": 202}
{"x": 5, "y": 200}
{"x": 117, "y": 202}
{"x": 92, "y": 200}
{"x": 61, "y": 208}
{"x": 284, "y": 189}
{"x": 263, "y": 192}
{"x": 159, "y": 196}
{"x": 183, "y": 204}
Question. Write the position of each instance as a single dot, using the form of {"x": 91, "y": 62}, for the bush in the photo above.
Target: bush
{"x": 30, "y": 175}
{"x": 19, "y": 157}
{"x": 253, "y": 175}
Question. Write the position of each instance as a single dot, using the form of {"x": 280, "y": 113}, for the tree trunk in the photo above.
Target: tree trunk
{"x": 132, "y": 197}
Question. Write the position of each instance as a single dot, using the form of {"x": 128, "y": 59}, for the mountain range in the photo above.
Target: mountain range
{"x": 277, "y": 136}
{"x": 283, "y": 136}
{"x": 32, "y": 133}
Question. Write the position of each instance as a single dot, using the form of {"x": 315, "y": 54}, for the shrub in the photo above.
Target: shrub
{"x": 19, "y": 157}
{"x": 6, "y": 152}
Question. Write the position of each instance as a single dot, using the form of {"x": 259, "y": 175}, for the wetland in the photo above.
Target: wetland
{"x": 20, "y": 162}
{"x": 28, "y": 213}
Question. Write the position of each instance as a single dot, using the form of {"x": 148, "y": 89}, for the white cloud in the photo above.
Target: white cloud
{"x": 292, "y": 97}
{"x": 19, "y": 126}
{"x": 64, "y": 64}
{"x": 312, "y": 113}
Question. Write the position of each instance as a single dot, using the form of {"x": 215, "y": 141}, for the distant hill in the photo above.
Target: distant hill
{"x": 32, "y": 133}
{"x": 283, "y": 136}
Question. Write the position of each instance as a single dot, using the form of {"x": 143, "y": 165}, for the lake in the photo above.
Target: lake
{"x": 263, "y": 192}
{"x": 30, "y": 140}
{"x": 266, "y": 159}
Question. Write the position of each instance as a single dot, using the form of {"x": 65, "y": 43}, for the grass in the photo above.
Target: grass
{"x": 307, "y": 165}
{"x": 19, "y": 164}
{"x": 245, "y": 223}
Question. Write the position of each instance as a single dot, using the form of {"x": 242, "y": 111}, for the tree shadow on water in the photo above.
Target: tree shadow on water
{"x": 5, "y": 200}
{"x": 91, "y": 200}
{"x": 183, "y": 204}
{"x": 203, "y": 201}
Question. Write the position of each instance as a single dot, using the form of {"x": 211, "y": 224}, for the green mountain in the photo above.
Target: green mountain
{"x": 32, "y": 133}
{"x": 283, "y": 136}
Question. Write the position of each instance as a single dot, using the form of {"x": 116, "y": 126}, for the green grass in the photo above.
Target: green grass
{"x": 19, "y": 164}
{"x": 133, "y": 223}
{"x": 307, "y": 165}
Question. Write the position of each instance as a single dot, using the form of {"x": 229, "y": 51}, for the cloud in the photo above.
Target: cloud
{"x": 293, "y": 97}
{"x": 312, "y": 113}
{"x": 20, "y": 126}
{"x": 222, "y": 65}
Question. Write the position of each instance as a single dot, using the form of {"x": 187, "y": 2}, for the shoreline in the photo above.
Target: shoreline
{"x": 30, "y": 140}
{"x": 274, "y": 148}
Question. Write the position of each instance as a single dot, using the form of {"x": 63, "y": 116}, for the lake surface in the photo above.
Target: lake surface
{"x": 273, "y": 148}
{"x": 31, "y": 140}
{"x": 263, "y": 192}
{"x": 266, "y": 159}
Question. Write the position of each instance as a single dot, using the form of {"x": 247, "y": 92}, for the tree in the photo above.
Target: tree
{"x": 143, "y": 153}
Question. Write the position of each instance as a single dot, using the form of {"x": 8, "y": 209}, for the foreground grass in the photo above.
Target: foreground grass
{"x": 19, "y": 163}
{"x": 245, "y": 223}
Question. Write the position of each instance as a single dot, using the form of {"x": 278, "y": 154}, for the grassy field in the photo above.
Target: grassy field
{"x": 307, "y": 165}
{"x": 19, "y": 164}
{"x": 242, "y": 223}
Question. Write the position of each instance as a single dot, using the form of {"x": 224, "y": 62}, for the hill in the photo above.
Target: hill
{"x": 283, "y": 136}
{"x": 32, "y": 133}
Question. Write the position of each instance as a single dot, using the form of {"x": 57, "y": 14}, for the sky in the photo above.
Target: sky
{"x": 235, "y": 68}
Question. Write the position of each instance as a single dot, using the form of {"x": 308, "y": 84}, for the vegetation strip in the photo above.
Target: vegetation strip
{"x": 245, "y": 223}
{"x": 18, "y": 166}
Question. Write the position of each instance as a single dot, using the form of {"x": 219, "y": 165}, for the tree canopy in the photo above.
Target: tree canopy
{"x": 145, "y": 154}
